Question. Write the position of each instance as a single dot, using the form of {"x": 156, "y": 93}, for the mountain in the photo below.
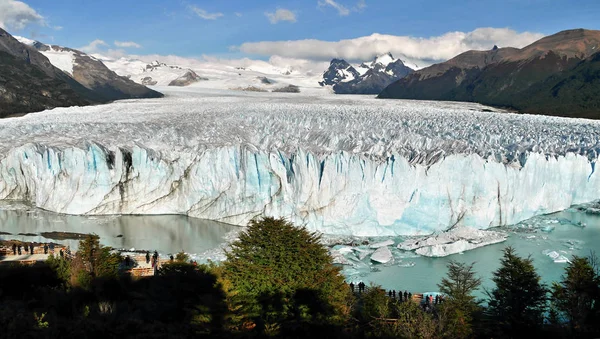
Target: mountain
{"x": 365, "y": 79}
{"x": 244, "y": 74}
{"x": 92, "y": 73}
{"x": 155, "y": 73}
{"x": 339, "y": 70}
{"x": 187, "y": 79}
{"x": 556, "y": 75}
{"x": 30, "y": 83}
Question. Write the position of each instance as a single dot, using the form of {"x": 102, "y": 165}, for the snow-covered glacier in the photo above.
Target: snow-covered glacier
{"x": 339, "y": 165}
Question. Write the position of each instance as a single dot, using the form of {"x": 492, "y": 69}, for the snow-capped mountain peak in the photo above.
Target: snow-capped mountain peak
{"x": 366, "y": 78}
{"x": 24, "y": 40}
{"x": 383, "y": 60}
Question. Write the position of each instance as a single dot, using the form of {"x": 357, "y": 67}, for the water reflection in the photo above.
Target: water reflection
{"x": 165, "y": 233}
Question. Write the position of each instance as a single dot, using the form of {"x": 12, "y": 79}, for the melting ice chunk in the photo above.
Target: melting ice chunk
{"x": 389, "y": 242}
{"x": 454, "y": 241}
{"x": 382, "y": 255}
{"x": 362, "y": 253}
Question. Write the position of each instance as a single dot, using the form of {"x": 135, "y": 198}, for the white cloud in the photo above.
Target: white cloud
{"x": 361, "y": 5}
{"x": 281, "y": 15}
{"x": 343, "y": 11}
{"x": 204, "y": 14}
{"x": 127, "y": 44}
{"x": 17, "y": 15}
{"x": 421, "y": 50}
{"x": 93, "y": 46}
{"x": 238, "y": 14}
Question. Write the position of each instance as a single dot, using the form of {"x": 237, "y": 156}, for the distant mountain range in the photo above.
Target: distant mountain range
{"x": 155, "y": 73}
{"x": 30, "y": 82}
{"x": 556, "y": 75}
{"x": 369, "y": 78}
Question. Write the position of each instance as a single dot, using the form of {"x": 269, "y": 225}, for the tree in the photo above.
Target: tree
{"x": 518, "y": 302}
{"x": 62, "y": 267}
{"x": 182, "y": 257}
{"x": 456, "y": 313}
{"x": 577, "y": 296}
{"x": 382, "y": 317}
{"x": 93, "y": 260}
{"x": 282, "y": 275}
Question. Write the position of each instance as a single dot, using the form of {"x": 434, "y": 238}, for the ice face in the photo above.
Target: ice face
{"x": 339, "y": 165}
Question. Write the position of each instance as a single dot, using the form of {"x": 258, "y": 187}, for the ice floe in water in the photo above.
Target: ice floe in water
{"x": 559, "y": 257}
{"x": 456, "y": 240}
{"x": 382, "y": 255}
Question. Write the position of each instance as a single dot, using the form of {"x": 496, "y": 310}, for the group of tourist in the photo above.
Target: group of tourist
{"x": 428, "y": 301}
{"x": 19, "y": 249}
{"x": 154, "y": 259}
{"x": 401, "y": 296}
{"x": 361, "y": 287}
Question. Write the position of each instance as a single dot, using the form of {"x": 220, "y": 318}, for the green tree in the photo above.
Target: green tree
{"x": 517, "y": 304}
{"x": 577, "y": 296}
{"x": 182, "y": 257}
{"x": 93, "y": 260}
{"x": 380, "y": 316}
{"x": 62, "y": 267}
{"x": 282, "y": 276}
{"x": 375, "y": 304}
{"x": 456, "y": 313}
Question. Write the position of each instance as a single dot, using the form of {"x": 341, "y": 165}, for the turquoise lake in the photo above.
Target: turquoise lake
{"x": 567, "y": 233}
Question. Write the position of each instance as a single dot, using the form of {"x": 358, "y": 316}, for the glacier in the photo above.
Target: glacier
{"x": 350, "y": 165}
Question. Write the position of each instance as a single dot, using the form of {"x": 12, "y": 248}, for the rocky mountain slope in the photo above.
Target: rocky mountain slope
{"x": 556, "y": 75}
{"x": 369, "y": 78}
{"x": 93, "y": 74}
{"x": 30, "y": 82}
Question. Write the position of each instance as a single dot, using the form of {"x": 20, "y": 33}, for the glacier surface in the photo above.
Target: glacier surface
{"x": 339, "y": 165}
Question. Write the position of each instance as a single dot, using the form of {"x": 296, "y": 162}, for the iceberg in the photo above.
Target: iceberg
{"x": 382, "y": 255}
{"x": 345, "y": 166}
{"x": 453, "y": 241}
{"x": 389, "y": 242}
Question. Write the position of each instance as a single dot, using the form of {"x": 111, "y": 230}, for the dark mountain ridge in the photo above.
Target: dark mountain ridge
{"x": 30, "y": 83}
{"x": 382, "y": 71}
{"x": 539, "y": 78}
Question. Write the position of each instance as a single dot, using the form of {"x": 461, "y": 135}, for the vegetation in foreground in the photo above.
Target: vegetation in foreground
{"x": 279, "y": 282}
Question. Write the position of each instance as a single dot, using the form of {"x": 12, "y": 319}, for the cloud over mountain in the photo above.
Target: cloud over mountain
{"x": 17, "y": 15}
{"x": 430, "y": 49}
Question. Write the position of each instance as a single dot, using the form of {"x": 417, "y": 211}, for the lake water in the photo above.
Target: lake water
{"x": 164, "y": 233}
{"x": 567, "y": 233}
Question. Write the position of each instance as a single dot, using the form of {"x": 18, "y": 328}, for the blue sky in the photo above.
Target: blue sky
{"x": 197, "y": 27}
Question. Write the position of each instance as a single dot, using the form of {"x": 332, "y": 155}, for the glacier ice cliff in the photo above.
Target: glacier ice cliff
{"x": 340, "y": 166}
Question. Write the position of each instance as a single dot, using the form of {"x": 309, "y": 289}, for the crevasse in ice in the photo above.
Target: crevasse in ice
{"x": 355, "y": 165}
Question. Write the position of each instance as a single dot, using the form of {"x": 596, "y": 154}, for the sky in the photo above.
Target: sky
{"x": 424, "y": 31}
